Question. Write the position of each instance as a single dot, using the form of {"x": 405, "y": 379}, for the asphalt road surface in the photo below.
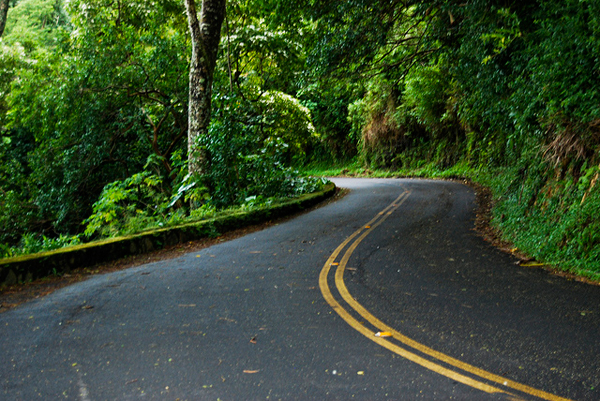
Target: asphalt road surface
{"x": 386, "y": 294}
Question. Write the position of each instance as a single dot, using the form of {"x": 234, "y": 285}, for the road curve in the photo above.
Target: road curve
{"x": 292, "y": 312}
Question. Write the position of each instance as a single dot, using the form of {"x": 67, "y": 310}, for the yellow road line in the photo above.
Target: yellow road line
{"x": 392, "y": 347}
{"x": 382, "y": 216}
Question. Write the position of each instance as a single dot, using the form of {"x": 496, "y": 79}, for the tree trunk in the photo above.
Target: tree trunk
{"x": 206, "y": 35}
{"x": 3, "y": 13}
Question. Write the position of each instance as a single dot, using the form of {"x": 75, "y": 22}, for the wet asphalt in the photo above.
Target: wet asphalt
{"x": 246, "y": 319}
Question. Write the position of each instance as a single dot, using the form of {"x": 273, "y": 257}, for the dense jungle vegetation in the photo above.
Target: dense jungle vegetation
{"x": 94, "y": 112}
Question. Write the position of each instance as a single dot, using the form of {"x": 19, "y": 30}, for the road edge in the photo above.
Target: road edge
{"x": 62, "y": 261}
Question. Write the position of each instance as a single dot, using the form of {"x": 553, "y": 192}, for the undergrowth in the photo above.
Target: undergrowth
{"x": 133, "y": 206}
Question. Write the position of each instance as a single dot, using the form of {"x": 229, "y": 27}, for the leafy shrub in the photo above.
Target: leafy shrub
{"x": 329, "y": 102}
{"x": 252, "y": 145}
{"x": 287, "y": 121}
{"x": 34, "y": 243}
{"x": 131, "y": 205}
{"x": 426, "y": 96}
{"x": 374, "y": 120}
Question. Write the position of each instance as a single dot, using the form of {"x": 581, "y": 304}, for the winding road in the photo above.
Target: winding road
{"x": 386, "y": 294}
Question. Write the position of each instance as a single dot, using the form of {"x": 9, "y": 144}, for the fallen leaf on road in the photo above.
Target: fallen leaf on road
{"x": 251, "y": 371}
{"x": 253, "y": 340}
{"x": 383, "y": 334}
{"x": 87, "y": 307}
{"x": 187, "y": 306}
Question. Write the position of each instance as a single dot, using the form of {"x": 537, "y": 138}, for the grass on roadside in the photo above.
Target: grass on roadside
{"x": 553, "y": 220}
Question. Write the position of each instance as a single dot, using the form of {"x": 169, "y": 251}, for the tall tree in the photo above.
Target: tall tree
{"x": 3, "y": 13}
{"x": 206, "y": 35}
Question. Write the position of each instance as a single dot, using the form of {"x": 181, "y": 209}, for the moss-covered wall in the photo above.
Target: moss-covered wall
{"x": 31, "y": 267}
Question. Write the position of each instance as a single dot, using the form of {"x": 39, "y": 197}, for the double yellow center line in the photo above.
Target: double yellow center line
{"x": 398, "y": 343}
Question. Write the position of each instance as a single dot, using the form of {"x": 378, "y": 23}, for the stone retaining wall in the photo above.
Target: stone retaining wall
{"x": 31, "y": 267}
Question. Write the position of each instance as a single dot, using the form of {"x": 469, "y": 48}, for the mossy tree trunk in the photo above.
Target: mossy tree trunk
{"x": 205, "y": 31}
{"x": 3, "y": 14}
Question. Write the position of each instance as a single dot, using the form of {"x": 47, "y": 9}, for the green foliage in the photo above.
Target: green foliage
{"x": 33, "y": 243}
{"x": 140, "y": 203}
{"x": 36, "y": 25}
{"x": 502, "y": 37}
{"x": 12, "y": 58}
{"x": 565, "y": 62}
{"x": 349, "y": 34}
{"x": 506, "y": 90}
{"x": 260, "y": 57}
{"x": 552, "y": 219}
{"x": 375, "y": 124}
{"x": 131, "y": 205}
{"x": 250, "y": 155}
{"x": 286, "y": 123}
{"x": 93, "y": 111}
{"x": 328, "y": 102}
{"x": 357, "y": 117}
{"x": 95, "y": 108}
{"x": 426, "y": 96}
